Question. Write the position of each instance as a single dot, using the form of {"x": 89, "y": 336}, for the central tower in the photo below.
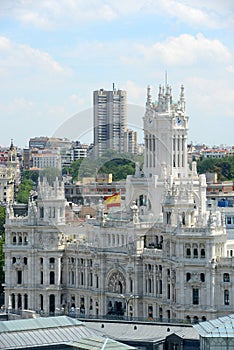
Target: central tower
{"x": 165, "y": 132}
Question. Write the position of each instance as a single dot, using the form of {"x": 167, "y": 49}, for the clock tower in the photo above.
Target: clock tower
{"x": 165, "y": 132}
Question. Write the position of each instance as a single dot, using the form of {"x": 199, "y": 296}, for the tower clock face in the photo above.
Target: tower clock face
{"x": 149, "y": 122}
{"x": 179, "y": 121}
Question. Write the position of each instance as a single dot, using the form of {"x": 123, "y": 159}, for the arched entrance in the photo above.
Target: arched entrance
{"x": 116, "y": 288}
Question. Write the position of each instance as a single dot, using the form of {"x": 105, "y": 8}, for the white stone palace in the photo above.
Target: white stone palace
{"x": 163, "y": 255}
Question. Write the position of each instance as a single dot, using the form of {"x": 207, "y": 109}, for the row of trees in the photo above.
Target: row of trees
{"x": 224, "y": 167}
{"x": 119, "y": 165}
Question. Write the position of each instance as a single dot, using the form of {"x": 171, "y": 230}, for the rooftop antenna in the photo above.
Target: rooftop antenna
{"x": 113, "y": 86}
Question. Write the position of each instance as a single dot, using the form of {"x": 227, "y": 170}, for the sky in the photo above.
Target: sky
{"x": 55, "y": 53}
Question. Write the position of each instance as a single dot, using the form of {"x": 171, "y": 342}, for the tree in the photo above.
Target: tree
{"x": 224, "y": 167}
{"x": 24, "y": 190}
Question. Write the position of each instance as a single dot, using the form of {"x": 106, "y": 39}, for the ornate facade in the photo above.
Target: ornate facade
{"x": 164, "y": 255}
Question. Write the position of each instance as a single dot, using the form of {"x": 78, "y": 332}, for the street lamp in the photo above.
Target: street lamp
{"x": 127, "y": 300}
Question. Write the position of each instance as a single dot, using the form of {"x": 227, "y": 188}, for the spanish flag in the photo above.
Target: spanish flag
{"x": 112, "y": 201}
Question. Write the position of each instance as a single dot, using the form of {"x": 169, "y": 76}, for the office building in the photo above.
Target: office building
{"x": 110, "y": 120}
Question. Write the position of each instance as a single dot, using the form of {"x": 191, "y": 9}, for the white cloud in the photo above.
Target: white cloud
{"x": 13, "y": 56}
{"x": 77, "y": 100}
{"x": 188, "y": 13}
{"x": 134, "y": 91}
{"x": 186, "y": 50}
{"x": 49, "y": 14}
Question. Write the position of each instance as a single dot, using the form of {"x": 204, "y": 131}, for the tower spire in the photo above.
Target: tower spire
{"x": 148, "y": 101}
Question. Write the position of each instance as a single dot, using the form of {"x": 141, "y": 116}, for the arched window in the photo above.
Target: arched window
{"x": 203, "y": 253}
{"x": 13, "y": 301}
{"x": 195, "y": 253}
{"x": 13, "y": 260}
{"x": 14, "y": 240}
{"x": 52, "y": 279}
{"x": 19, "y": 301}
{"x": 226, "y": 297}
{"x": 226, "y": 277}
{"x": 20, "y": 240}
{"x": 25, "y": 261}
{"x": 52, "y": 260}
{"x": 188, "y": 253}
{"x": 188, "y": 276}
{"x": 202, "y": 277}
{"x": 26, "y": 240}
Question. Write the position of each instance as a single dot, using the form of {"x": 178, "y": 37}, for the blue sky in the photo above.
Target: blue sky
{"x": 54, "y": 53}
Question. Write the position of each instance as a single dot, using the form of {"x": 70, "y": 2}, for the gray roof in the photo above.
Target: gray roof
{"x": 142, "y": 332}
{"x": 100, "y": 343}
{"x": 25, "y": 333}
{"x": 222, "y": 327}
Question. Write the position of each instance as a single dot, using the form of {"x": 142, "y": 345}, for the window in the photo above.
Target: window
{"x": 25, "y": 301}
{"x": 195, "y": 253}
{"x": 41, "y": 277}
{"x": 195, "y": 296}
{"x": 13, "y": 260}
{"x": 73, "y": 278}
{"x": 97, "y": 281}
{"x": 160, "y": 286}
{"x": 203, "y": 253}
{"x": 41, "y": 213}
{"x": 229, "y": 220}
{"x": 130, "y": 285}
{"x": 188, "y": 253}
{"x": 202, "y": 277}
{"x": 150, "y": 311}
{"x": 52, "y": 277}
{"x": 226, "y": 277}
{"x": 226, "y": 297}
{"x": 52, "y": 263}
{"x": 41, "y": 261}
{"x": 150, "y": 285}
{"x": 25, "y": 261}
{"x": 188, "y": 276}
{"x": 19, "y": 277}
{"x": 168, "y": 291}
{"x": 41, "y": 301}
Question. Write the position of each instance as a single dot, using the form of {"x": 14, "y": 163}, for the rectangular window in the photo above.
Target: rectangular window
{"x": 19, "y": 277}
{"x": 229, "y": 220}
{"x": 195, "y": 296}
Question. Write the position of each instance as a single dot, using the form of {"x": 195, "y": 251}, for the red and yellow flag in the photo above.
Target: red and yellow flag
{"x": 112, "y": 201}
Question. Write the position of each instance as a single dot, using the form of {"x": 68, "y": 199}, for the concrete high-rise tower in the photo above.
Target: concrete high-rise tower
{"x": 110, "y": 120}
